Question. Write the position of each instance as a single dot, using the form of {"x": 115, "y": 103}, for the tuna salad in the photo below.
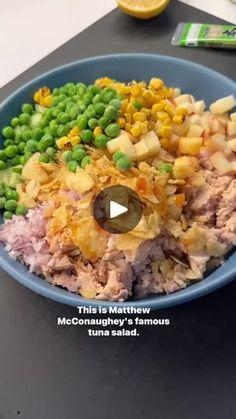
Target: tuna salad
{"x": 74, "y": 141}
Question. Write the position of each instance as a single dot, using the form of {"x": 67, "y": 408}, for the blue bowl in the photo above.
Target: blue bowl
{"x": 190, "y": 77}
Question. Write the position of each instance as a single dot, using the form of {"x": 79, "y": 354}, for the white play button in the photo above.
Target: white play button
{"x": 116, "y": 209}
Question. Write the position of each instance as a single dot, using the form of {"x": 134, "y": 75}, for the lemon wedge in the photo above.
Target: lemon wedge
{"x": 143, "y": 9}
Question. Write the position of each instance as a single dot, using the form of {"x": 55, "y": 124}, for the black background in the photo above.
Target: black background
{"x": 184, "y": 371}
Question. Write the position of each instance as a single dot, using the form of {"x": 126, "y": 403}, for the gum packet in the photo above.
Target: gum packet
{"x": 189, "y": 34}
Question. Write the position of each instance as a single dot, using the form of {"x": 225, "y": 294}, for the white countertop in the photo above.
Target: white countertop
{"x": 31, "y": 29}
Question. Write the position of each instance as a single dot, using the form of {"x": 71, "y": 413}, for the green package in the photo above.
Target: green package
{"x": 204, "y": 35}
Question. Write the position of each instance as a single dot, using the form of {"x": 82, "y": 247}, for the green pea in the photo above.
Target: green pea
{"x": 165, "y": 168}
{"x": 21, "y": 146}
{"x": 108, "y": 94}
{"x": 71, "y": 90}
{"x": 81, "y": 89}
{"x": 97, "y": 98}
{"x": 6, "y": 143}
{"x": 11, "y": 205}
{"x": 37, "y": 133}
{"x": 82, "y": 122}
{"x": 115, "y": 103}
{"x": 15, "y": 161}
{"x": 62, "y": 130}
{"x": 62, "y": 92}
{"x": 23, "y": 160}
{"x": 28, "y": 154}
{"x": 101, "y": 141}
{"x": 51, "y": 151}
{"x": 24, "y": 118}
{"x": 103, "y": 122}
{"x": 113, "y": 130}
{"x": 8, "y": 215}
{"x": 55, "y": 112}
{"x": 86, "y": 136}
{"x": 2, "y": 165}
{"x": 63, "y": 118}
{"x": 17, "y": 169}
{"x": 55, "y": 102}
{"x": 117, "y": 155}
{"x": 111, "y": 113}
{"x": 43, "y": 123}
{"x": 44, "y": 158}
{"x": 61, "y": 106}
{"x": 78, "y": 147}
{"x": 137, "y": 105}
{"x": 73, "y": 112}
{"x": 11, "y": 150}
{"x": 48, "y": 114}
{"x": 81, "y": 108}
{"x": 85, "y": 161}
{"x": 21, "y": 209}
{"x": 72, "y": 166}
{"x": 45, "y": 142}
{"x": 87, "y": 98}
{"x": 56, "y": 91}
{"x": 99, "y": 108}
{"x": 11, "y": 194}
{"x": 90, "y": 112}
{"x": 93, "y": 123}
{"x": 3, "y": 200}
{"x": 2, "y": 190}
{"x": 27, "y": 108}
{"x": 53, "y": 127}
{"x": 2, "y": 155}
{"x": 72, "y": 124}
{"x": 124, "y": 163}
{"x": 32, "y": 145}
{"x": 93, "y": 89}
{"x": 14, "y": 122}
{"x": 27, "y": 135}
{"x": 68, "y": 85}
{"x": 78, "y": 155}
{"x": 8, "y": 132}
{"x": 67, "y": 156}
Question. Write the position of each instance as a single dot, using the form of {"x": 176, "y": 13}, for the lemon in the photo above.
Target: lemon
{"x": 143, "y": 9}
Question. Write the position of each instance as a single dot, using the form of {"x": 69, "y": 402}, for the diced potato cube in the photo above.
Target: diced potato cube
{"x": 183, "y": 167}
{"x": 182, "y": 99}
{"x": 233, "y": 116}
{"x": 152, "y": 142}
{"x": 128, "y": 149}
{"x": 223, "y": 105}
{"x": 189, "y": 107}
{"x": 195, "y": 119}
{"x": 204, "y": 122}
{"x": 181, "y": 130}
{"x": 231, "y": 128}
{"x": 116, "y": 143}
{"x": 199, "y": 107}
{"x": 217, "y": 142}
{"x": 177, "y": 92}
{"x": 220, "y": 163}
{"x": 195, "y": 131}
{"x": 190, "y": 146}
{"x": 142, "y": 151}
{"x": 192, "y": 98}
{"x": 216, "y": 126}
{"x": 232, "y": 144}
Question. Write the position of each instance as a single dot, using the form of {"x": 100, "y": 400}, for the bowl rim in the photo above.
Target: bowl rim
{"x": 40, "y": 286}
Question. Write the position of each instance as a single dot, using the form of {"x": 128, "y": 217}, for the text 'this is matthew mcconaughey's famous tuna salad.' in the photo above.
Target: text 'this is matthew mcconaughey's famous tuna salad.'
{"x": 76, "y": 140}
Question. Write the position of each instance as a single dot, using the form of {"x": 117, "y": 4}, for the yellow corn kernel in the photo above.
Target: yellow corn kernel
{"x": 165, "y": 143}
{"x": 144, "y": 127}
{"x": 169, "y": 109}
{"x": 146, "y": 111}
{"x": 178, "y": 119}
{"x": 121, "y": 122}
{"x": 75, "y": 140}
{"x": 62, "y": 142}
{"x": 124, "y": 105}
{"x": 165, "y": 131}
{"x": 158, "y": 107}
{"x": 162, "y": 116}
{"x": 47, "y": 101}
{"x": 167, "y": 121}
{"x": 156, "y": 84}
{"x": 148, "y": 96}
{"x": 181, "y": 111}
{"x": 128, "y": 127}
{"x": 130, "y": 109}
{"x": 128, "y": 117}
{"x": 136, "y": 90}
{"x": 136, "y": 129}
{"x": 37, "y": 96}
{"x": 170, "y": 93}
{"x": 97, "y": 131}
{"x": 103, "y": 82}
{"x": 74, "y": 131}
{"x": 139, "y": 117}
